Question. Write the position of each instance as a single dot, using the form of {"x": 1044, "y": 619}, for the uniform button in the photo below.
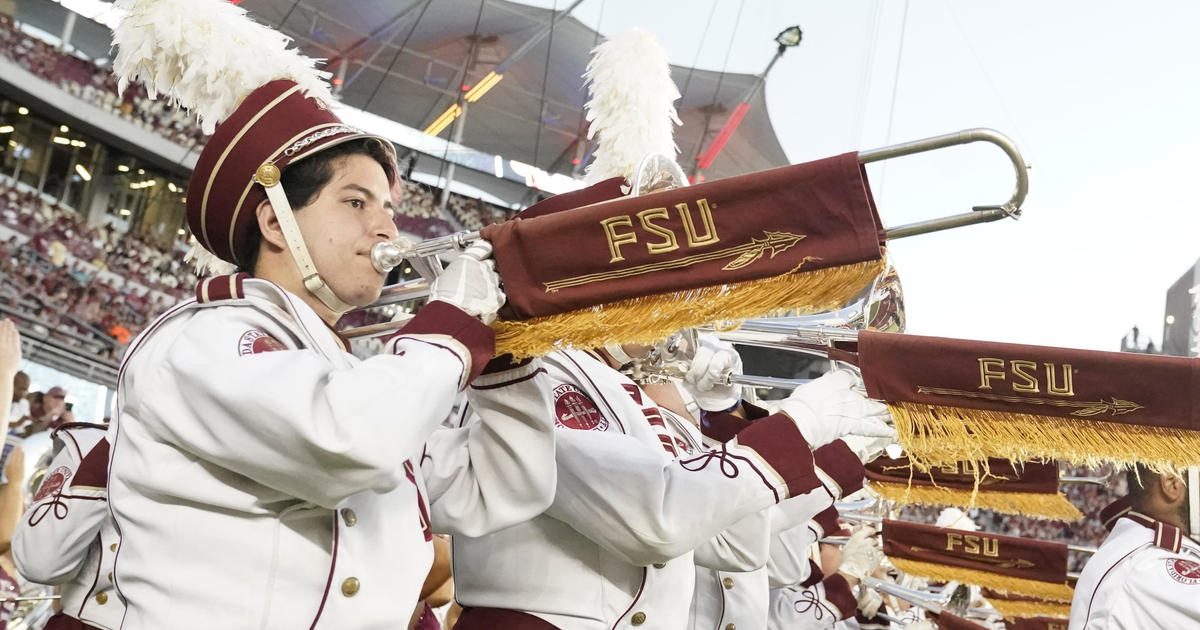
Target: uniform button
{"x": 638, "y": 618}
{"x": 350, "y": 587}
{"x": 730, "y": 627}
{"x": 101, "y": 598}
{"x": 728, "y": 582}
{"x": 110, "y": 577}
{"x": 659, "y": 565}
{"x": 112, "y": 547}
{"x": 350, "y": 518}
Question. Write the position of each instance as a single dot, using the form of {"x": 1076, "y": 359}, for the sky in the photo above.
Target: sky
{"x": 1101, "y": 97}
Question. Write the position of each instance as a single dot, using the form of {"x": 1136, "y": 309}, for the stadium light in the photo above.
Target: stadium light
{"x": 481, "y": 88}
{"x": 124, "y": 212}
{"x": 62, "y": 140}
{"x": 181, "y": 231}
{"x": 444, "y": 120}
{"x": 24, "y": 111}
{"x": 171, "y": 187}
{"x": 123, "y": 168}
{"x": 64, "y": 128}
{"x": 79, "y": 143}
{"x": 83, "y": 173}
{"x": 7, "y": 129}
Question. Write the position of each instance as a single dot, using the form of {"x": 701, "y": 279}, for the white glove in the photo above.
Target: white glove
{"x": 834, "y": 406}
{"x": 868, "y": 448}
{"x": 861, "y": 555}
{"x": 868, "y": 601}
{"x": 707, "y": 379}
{"x": 471, "y": 283}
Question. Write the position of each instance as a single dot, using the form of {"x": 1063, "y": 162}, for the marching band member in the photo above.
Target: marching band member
{"x": 261, "y": 475}
{"x": 1146, "y": 574}
{"x": 635, "y": 498}
{"x": 741, "y": 599}
{"x": 67, "y": 536}
{"x": 827, "y": 597}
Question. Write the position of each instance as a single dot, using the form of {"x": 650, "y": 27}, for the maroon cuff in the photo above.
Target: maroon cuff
{"x": 778, "y": 441}
{"x": 842, "y": 465}
{"x": 827, "y": 520}
{"x": 721, "y": 426}
{"x": 814, "y": 575}
{"x": 441, "y": 318}
{"x": 839, "y": 593}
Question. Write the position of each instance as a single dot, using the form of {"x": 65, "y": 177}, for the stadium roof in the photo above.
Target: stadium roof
{"x": 407, "y": 62}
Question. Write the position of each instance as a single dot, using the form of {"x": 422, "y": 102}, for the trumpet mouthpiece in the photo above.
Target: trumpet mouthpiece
{"x": 385, "y": 256}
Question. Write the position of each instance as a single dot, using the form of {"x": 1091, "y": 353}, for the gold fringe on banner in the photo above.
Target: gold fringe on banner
{"x": 653, "y": 318}
{"x": 994, "y": 581}
{"x": 1013, "y": 609}
{"x": 936, "y": 435}
{"x": 1052, "y": 506}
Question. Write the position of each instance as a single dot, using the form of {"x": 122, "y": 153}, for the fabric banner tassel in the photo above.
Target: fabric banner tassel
{"x": 1014, "y": 607}
{"x": 957, "y": 400}
{"x": 591, "y": 269}
{"x": 1030, "y": 489}
{"x": 1002, "y": 563}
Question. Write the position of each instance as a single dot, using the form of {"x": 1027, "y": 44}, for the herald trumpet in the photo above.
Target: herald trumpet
{"x": 657, "y": 173}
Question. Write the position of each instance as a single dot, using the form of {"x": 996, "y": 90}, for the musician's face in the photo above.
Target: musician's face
{"x": 348, "y": 217}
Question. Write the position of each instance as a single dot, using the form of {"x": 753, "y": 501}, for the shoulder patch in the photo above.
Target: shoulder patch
{"x": 1183, "y": 571}
{"x": 53, "y": 483}
{"x": 574, "y": 410}
{"x": 255, "y": 341}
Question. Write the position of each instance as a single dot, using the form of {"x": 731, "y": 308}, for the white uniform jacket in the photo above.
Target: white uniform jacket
{"x": 726, "y": 599}
{"x": 263, "y": 477}
{"x": 67, "y": 536}
{"x": 1145, "y": 575}
{"x": 614, "y": 550}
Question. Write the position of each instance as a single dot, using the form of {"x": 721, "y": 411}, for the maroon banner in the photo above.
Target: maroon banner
{"x": 1036, "y": 623}
{"x": 999, "y": 475}
{"x": 977, "y": 551}
{"x": 797, "y": 218}
{"x": 1121, "y": 387}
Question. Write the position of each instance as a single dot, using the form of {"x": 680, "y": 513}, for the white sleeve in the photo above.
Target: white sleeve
{"x": 288, "y": 419}
{"x": 818, "y": 607}
{"x": 622, "y": 494}
{"x": 54, "y": 535}
{"x": 498, "y": 470}
{"x": 1162, "y": 587}
{"x": 740, "y": 548}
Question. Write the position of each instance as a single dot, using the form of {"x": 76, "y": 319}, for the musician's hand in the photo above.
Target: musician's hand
{"x": 868, "y": 602}
{"x": 707, "y": 378}
{"x": 861, "y": 555}
{"x": 14, "y": 470}
{"x": 471, "y": 283}
{"x": 834, "y": 406}
{"x": 10, "y": 349}
{"x": 868, "y": 448}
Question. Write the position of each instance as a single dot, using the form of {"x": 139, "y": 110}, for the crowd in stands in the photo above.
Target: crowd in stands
{"x": 97, "y": 85}
{"x": 82, "y": 284}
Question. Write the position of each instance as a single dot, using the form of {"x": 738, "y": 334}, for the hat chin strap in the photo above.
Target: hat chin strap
{"x": 295, "y": 242}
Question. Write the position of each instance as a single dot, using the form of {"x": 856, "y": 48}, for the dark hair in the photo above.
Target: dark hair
{"x": 1141, "y": 480}
{"x": 302, "y": 183}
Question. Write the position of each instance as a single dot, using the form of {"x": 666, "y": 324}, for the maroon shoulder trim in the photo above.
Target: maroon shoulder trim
{"x": 500, "y": 619}
{"x": 93, "y": 470}
{"x": 840, "y": 463}
{"x": 777, "y": 440}
{"x": 440, "y": 318}
{"x": 1166, "y": 536}
{"x": 839, "y": 593}
{"x": 1114, "y": 511}
{"x": 219, "y": 288}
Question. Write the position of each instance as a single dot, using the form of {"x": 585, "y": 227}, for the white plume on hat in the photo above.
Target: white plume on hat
{"x": 206, "y": 56}
{"x": 954, "y": 518}
{"x": 631, "y": 107}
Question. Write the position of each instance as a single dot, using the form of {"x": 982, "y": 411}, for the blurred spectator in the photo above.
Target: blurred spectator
{"x": 49, "y": 411}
